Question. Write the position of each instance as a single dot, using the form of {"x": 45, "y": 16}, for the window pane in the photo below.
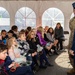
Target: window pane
{"x": 31, "y": 22}
{"x": 22, "y": 12}
{"x": 51, "y": 17}
{"x": 47, "y": 23}
{"x": 4, "y": 19}
{"x": 32, "y": 15}
{"x": 25, "y": 17}
{"x": 46, "y": 16}
{"x": 28, "y": 11}
{"x": 21, "y": 23}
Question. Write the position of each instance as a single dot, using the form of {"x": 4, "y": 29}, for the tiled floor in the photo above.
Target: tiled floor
{"x": 61, "y": 65}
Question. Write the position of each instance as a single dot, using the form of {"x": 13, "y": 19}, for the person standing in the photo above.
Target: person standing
{"x": 72, "y": 29}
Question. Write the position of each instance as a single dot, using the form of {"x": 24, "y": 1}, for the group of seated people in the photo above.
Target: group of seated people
{"x": 21, "y": 51}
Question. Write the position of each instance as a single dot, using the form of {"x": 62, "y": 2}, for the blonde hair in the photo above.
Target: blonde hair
{"x": 41, "y": 30}
{"x": 10, "y": 42}
{"x": 29, "y": 35}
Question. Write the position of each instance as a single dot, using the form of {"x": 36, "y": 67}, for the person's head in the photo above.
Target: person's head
{"x": 35, "y": 30}
{"x": 22, "y": 35}
{"x": 46, "y": 28}
{"x": 50, "y": 30}
{"x": 58, "y": 25}
{"x": 73, "y": 4}
{"x": 11, "y": 42}
{"x": 31, "y": 35}
{"x": 41, "y": 30}
{"x": 22, "y": 30}
{"x": 3, "y": 33}
{"x": 10, "y": 33}
{"x": 14, "y": 28}
{"x": 3, "y": 51}
{"x": 29, "y": 28}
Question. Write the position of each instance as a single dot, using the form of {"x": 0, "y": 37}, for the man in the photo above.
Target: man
{"x": 71, "y": 41}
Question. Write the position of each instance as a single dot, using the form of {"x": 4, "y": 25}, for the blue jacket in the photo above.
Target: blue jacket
{"x": 25, "y": 70}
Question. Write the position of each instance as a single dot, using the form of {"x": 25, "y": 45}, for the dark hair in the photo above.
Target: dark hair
{"x": 10, "y": 31}
{"x": 29, "y": 28}
{"x": 3, "y": 31}
{"x": 49, "y": 30}
{"x": 22, "y": 30}
{"x": 3, "y": 47}
{"x": 14, "y": 27}
{"x": 58, "y": 23}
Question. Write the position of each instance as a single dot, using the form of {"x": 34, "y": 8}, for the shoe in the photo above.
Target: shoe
{"x": 50, "y": 53}
{"x": 72, "y": 71}
{"x": 48, "y": 64}
{"x": 34, "y": 71}
{"x": 43, "y": 67}
{"x": 56, "y": 53}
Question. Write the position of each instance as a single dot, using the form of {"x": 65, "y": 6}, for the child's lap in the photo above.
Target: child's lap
{"x": 21, "y": 71}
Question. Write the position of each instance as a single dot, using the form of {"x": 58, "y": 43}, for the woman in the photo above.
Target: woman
{"x": 50, "y": 37}
{"x": 40, "y": 34}
{"x": 59, "y": 35}
{"x": 33, "y": 45}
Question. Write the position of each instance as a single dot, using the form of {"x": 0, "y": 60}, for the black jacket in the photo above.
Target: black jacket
{"x": 32, "y": 45}
{"x": 59, "y": 33}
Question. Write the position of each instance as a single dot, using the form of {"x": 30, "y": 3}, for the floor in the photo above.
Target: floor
{"x": 61, "y": 65}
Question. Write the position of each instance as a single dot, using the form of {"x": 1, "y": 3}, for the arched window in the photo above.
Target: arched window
{"x": 4, "y": 19}
{"x": 25, "y": 17}
{"x": 51, "y": 16}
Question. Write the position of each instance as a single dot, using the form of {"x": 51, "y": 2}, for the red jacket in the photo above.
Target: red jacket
{"x": 2, "y": 68}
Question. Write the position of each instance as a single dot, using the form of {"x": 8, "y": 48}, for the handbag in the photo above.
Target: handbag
{"x": 39, "y": 48}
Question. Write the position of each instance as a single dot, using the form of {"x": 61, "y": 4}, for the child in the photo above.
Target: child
{"x": 40, "y": 34}
{"x": 4, "y": 36}
{"x": 1, "y": 42}
{"x": 6, "y": 64}
{"x": 14, "y": 52}
{"x": 51, "y": 39}
{"x": 24, "y": 47}
{"x": 10, "y": 34}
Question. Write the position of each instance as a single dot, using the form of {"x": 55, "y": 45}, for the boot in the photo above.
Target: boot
{"x": 72, "y": 71}
{"x": 55, "y": 51}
